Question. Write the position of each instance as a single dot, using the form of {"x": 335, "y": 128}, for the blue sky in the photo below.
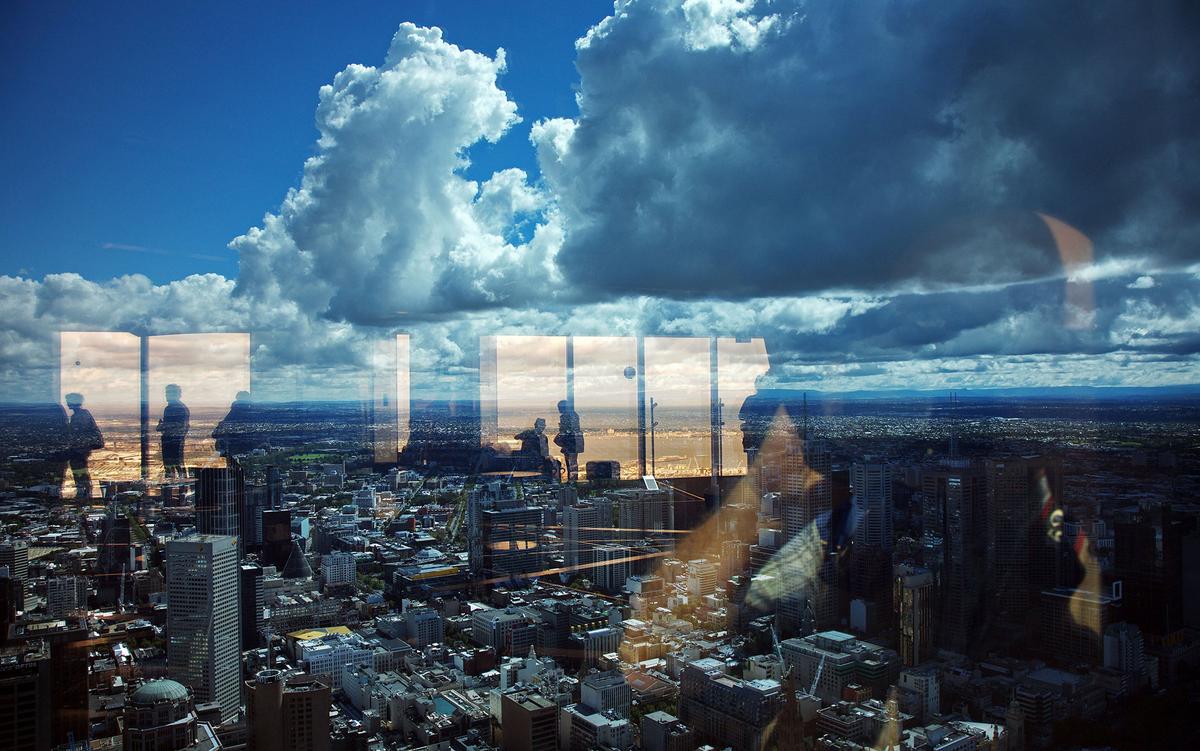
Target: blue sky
{"x": 931, "y": 194}
{"x": 175, "y": 126}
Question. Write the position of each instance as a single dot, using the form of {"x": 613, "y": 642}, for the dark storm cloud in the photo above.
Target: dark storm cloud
{"x": 801, "y": 147}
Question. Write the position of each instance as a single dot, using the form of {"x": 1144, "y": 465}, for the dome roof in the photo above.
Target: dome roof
{"x": 162, "y": 689}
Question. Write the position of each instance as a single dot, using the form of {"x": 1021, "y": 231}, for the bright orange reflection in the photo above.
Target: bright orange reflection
{"x": 105, "y": 367}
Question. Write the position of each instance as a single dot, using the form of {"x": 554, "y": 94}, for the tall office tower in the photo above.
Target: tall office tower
{"x": 66, "y": 595}
{"x": 584, "y": 525}
{"x": 338, "y": 569}
{"x": 251, "y": 521}
{"x": 14, "y": 554}
{"x": 643, "y": 512}
{"x": 529, "y": 721}
{"x": 12, "y": 601}
{"x": 220, "y": 497}
{"x": 252, "y": 601}
{"x": 612, "y": 567}
{"x": 1023, "y": 557}
{"x": 872, "y": 484}
{"x": 287, "y": 714}
{"x": 203, "y": 634}
{"x": 510, "y": 541}
{"x": 958, "y": 489}
{"x": 25, "y": 679}
{"x": 112, "y": 560}
{"x": 806, "y": 502}
{"x": 1148, "y": 558}
{"x": 701, "y": 577}
{"x": 727, "y": 711}
{"x": 277, "y": 537}
{"x": 912, "y": 602}
{"x": 274, "y": 487}
{"x": 1124, "y": 650}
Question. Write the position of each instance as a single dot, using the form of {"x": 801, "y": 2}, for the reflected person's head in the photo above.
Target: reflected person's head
{"x": 74, "y": 400}
{"x": 242, "y": 396}
{"x": 539, "y": 424}
{"x": 562, "y": 405}
{"x": 173, "y": 392}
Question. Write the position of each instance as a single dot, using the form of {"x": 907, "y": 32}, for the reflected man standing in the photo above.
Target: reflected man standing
{"x": 83, "y": 437}
{"x": 175, "y": 423}
{"x": 569, "y": 439}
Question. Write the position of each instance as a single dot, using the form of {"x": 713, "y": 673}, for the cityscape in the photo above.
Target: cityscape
{"x": 807, "y": 377}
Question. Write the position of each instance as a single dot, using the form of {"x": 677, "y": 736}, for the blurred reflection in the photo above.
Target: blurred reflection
{"x": 569, "y": 439}
{"x": 174, "y": 425}
{"x": 83, "y": 437}
{"x": 236, "y": 434}
{"x": 605, "y": 391}
{"x": 535, "y": 451}
{"x": 106, "y": 366}
{"x": 211, "y": 369}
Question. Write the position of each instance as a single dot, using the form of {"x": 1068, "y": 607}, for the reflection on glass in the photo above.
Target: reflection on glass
{"x": 521, "y": 378}
{"x": 605, "y": 379}
{"x": 210, "y": 370}
{"x": 105, "y": 367}
{"x": 739, "y": 364}
{"x": 677, "y": 379}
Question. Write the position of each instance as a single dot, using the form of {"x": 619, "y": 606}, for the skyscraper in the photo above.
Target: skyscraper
{"x": 203, "y": 635}
{"x": 807, "y": 502}
{"x": 14, "y": 554}
{"x": 251, "y": 603}
{"x": 220, "y": 497}
{"x": 583, "y": 526}
{"x": 25, "y": 697}
{"x": 872, "y": 483}
{"x": 957, "y": 488}
{"x": 912, "y": 598}
{"x": 1022, "y": 559}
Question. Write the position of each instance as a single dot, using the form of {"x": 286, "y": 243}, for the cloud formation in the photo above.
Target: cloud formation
{"x": 859, "y": 185}
{"x": 744, "y": 149}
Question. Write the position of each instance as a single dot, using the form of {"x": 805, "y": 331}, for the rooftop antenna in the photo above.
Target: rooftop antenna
{"x": 953, "y": 425}
{"x": 805, "y": 434}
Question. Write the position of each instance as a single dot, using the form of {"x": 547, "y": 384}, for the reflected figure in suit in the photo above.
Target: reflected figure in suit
{"x": 83, "y": 437}
{"x": 535, "y": 449}
{"x": 175, "y": 423}
{"x": 569, "y": 439}
{"x": 234, "y": 435}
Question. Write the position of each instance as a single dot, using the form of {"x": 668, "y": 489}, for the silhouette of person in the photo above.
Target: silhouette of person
{"x": 569, "y": 439}
{"x": 535, "y": 447}
{"x": 175, "y": 423}
{"x": 83, "y": 437}
{"x": 234, "y": 434}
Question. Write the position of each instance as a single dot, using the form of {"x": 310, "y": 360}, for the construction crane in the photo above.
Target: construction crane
{"x": 817, "y": 678}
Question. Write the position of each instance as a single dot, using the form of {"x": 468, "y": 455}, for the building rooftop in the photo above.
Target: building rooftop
{"x": 163, "y": 689}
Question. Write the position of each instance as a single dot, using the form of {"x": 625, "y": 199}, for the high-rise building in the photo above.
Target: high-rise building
{"x": 872, "y": 485}
{"x": 1073, "y": 623}
{"x": 337, "y": 569}
{"x": 584, "y": 525}
{"x": 957, "y": 488}
{"x": 607, "y": 690}
{"x": 912, "y": 600}
{"x": 1023, "y": 555}
{"x": 252, "y": 598}
{"x": 664, "y": 732}
{"x": 806, "y": 500}
{"x": 701, "y": 577}
{"x": 277, "y": 537}
{"x": 529, "y": 722}
{"x": 25, "y": 696}
{"x": 503, "y": 535}
{"x": 220, "y": 498}
{"x": 66, "y": 595}
{"x": 924, "y": 682}
{"x": 14, "y": 554}
{"x": 1148, "y": 559}
{"x": 1124, "y": 649}
{"x": 287, "y": 714}
{"x": 203, "y": 633}
{"x": 727, "y": 711}
{"x": 612, "y": 567}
